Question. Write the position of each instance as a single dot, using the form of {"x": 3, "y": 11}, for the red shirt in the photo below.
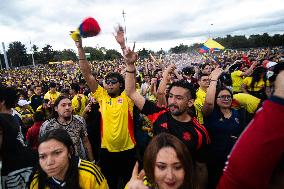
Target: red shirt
{"x": 258, "y": 151}
{"x": 32, "y": 134}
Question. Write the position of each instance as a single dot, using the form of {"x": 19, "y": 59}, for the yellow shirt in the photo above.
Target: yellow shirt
{"x": 117, "y": 121}
{"x": 198, "y": 104}
{"x": 51, "y": 96}
{"x": 90, "y": 176}
{"x": 237, "y": 80}
{"x": 75, "y": 104}
{"x": 257, "y": 86}
{"x": 249, "y": 102}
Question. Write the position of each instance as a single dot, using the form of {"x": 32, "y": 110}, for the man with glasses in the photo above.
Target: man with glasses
{"x": 117, "y": 154}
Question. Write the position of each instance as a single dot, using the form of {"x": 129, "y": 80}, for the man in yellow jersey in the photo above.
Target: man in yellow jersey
{"x": 79, "y": 101}
{"x": 117, "y": 154}
{"x": 52, "y": 94}
{"x": 237, "y": 75}
{"x": 203, "y": 82}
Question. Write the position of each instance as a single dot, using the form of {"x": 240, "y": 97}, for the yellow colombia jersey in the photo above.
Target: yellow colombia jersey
{"x": 249, "y": 102}
{"x": 75, "y": 104}
{"x": 237, "y": 80}
{"x": 51, "y": 96}
{"x": 117, "y": 121}
{"x": 90, "y": 176}
{"x": 257, "y": 86}
{"x": 198, "y": 104}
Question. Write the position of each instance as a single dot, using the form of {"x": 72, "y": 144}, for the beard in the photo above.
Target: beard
{"x": 175, "y": 110}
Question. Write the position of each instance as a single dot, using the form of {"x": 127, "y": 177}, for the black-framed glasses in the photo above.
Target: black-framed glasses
{"x": 225, "y": 97}
{"x": 111, "y": 81}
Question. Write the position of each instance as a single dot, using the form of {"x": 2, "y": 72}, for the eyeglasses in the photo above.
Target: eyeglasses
{"x": 112, "y": 81}
{"x": 225, "y": 97}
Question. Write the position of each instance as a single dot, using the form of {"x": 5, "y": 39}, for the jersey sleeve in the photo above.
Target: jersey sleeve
{"x": 99, "y": 93}
{"x": 91, "y": 176}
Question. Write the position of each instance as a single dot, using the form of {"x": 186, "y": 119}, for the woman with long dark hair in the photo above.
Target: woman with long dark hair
{"x": 60, "y": 168}
{"x": 223, "y": 125}
{"x": 256, "y": 83}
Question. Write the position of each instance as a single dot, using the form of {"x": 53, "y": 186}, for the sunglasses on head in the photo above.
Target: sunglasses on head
{"x": 111, "y": 81}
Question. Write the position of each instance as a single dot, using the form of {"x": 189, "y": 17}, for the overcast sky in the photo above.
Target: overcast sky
{"x": 153, "y": 24}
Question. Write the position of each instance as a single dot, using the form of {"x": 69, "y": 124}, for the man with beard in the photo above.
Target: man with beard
{"x": 175, "y": 119}
{"x": 117, "y": 152}
{"x": 73, "y": 124}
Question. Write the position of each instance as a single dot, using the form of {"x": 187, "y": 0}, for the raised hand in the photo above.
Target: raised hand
{"x": 136, "y": 181}
{"x": 215, "y": 74}
{"x": 78, "y": 43}
{"x": 130, "y": 56}
{"x": 119, "y": 36}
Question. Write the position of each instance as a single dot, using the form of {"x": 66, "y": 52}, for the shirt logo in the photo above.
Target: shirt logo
{"x": 119, "y": 100}
{"x": 237, "y": 120}
{"x": 186, "y": 136}
{"x": 164, "y": 125}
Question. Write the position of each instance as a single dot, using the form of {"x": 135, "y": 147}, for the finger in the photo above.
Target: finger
{"x": 133, "y": 46}
{"x": 141, "y": 175}
{"x": 120, "y": 28}
{"x": 135, "y": 171}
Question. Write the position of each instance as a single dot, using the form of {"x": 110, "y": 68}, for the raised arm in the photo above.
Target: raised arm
{"x": 211, "y": 92}
{"x": 85, "y": 67}
{"x": 130, "y": 58}
{"x": 250, "y": 70}
{"x": 161, "y": 91}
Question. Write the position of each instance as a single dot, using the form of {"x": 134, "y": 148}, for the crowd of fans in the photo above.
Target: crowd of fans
{"x": 108, "y": 112}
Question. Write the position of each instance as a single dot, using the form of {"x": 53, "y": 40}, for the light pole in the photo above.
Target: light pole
{"x": 210, "y": 27}
{"x": 123, "y": 15}
{"x": 32, "y": 53}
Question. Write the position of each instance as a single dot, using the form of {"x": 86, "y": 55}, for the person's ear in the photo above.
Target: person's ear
{"x": 190, "y": 103}
{"x": 56, "y": 108}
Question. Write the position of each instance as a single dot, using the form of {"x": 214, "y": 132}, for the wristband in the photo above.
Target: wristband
{"x": 134, "y": 71}
{"x": 213, "y": 80}
{"x": 82, "y": 59}
{"x": 123, "y": 48}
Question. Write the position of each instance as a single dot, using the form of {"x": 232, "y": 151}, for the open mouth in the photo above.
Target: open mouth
{"x": 170, "y": 184}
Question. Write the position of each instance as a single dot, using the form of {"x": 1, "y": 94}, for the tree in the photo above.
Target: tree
{"x": 17, "y": 54}
{"x": 143, "y": 54}
{"x": 46, "y": 55}
{"x": 112, "y": 54}
{"x": 179, "y": 49}
{"x": 96, "y": 53}
{"x": 68, "y": 54}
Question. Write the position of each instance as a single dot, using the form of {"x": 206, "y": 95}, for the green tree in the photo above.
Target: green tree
{"x": 144, "y": 53}
{"x": 179, "y": 49}
{"x": 46, "y": 55}
{"x": 68, "y": 54}
{"x": 17, "y": 54}
{"x": 112, "y": 54}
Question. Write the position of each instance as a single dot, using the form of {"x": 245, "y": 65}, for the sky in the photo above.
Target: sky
{"x": 152, "y": 24}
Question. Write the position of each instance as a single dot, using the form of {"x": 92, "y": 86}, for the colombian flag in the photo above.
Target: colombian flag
{"x": 211, "y": 44}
